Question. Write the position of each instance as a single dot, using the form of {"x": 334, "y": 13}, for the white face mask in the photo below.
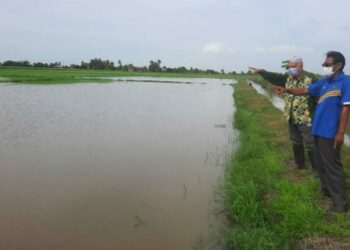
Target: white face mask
{"x": 293, "y": 72}
{"x": 328, "y": 71}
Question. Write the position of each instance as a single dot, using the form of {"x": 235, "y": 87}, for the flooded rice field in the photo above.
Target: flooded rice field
{"x": 276, "y": 100}
{"x": 133, "y": 164}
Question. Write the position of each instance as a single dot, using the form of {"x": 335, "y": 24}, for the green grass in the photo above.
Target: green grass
{"x": 272, "y": 206}
{"x": 46, "y": 76}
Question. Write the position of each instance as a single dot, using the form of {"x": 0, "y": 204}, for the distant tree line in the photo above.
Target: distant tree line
{"x": 29, "y": 64}
{"x": 99, "y": 64}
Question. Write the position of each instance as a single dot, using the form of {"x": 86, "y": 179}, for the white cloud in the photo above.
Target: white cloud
{"x": 283, "y": 49}
{"x": 174, "y": 5}
{"x": 213, "y": 48}
{"x": 216, "y": 48}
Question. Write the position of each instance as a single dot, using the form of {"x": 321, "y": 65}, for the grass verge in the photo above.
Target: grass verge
{"x": 270, "y": 205}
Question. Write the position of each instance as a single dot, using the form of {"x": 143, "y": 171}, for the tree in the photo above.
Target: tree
{"x": 84, "y": 65}
{"x": 17, "y": 63}
{"x": 99, "y": 64}
{"x": 155, "y": 66}
{"x": 40, "y": 65}
{"x": 130, "y": 67}
{"x": 120, "y": 65}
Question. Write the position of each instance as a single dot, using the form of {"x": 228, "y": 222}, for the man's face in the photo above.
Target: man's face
{"x": 330, "y": 63}
{"x": 296, "y": 65}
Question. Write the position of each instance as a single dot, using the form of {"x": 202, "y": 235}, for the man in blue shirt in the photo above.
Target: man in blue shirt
{"x": 329, "y": 124}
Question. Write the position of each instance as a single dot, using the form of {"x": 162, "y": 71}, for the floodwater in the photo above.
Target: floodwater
{"x": 123, "y": 165}
{"x": 276, "y": 101}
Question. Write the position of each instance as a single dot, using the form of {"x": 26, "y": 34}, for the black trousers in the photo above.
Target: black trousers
{"x": 331, "y": 171}
{"x": 300, "y": 134}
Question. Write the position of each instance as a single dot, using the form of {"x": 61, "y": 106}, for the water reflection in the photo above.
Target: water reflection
{"x": 277, "y": 101}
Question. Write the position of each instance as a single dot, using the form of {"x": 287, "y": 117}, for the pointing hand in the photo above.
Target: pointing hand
{"x": 254, "y": 70}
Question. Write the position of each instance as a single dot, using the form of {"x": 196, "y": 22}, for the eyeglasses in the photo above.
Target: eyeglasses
{"x": 327, "y": 65}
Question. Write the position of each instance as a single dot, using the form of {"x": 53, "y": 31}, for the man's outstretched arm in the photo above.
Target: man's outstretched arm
{"x": 292, "y": 91}
{"x": 274, "y": 78}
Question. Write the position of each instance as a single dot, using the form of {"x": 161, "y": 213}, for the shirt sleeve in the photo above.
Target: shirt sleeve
{"x": 345, "y": 94}
{"x": 315, "y": 89}
{"x": 274, "y": 78}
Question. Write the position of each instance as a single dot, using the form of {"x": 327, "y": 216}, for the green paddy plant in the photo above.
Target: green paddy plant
{"x": 270, "y": 205}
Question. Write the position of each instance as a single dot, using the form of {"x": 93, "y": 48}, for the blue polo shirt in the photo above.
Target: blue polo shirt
{"x": 331, "y": 95}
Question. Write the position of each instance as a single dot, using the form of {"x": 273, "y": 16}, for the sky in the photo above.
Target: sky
{"x": 216, "y": 34}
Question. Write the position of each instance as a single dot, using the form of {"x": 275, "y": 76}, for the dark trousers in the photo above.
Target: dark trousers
{"x": 331, "y": 171}
{"x": 300, "y": 134}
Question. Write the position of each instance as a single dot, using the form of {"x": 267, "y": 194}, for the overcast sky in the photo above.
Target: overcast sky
{"x": 216, "y": 34}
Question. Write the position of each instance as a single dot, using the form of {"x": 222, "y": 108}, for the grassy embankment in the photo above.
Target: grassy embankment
{"x": 46, "y": 76}
{"x": 271, "y": 205}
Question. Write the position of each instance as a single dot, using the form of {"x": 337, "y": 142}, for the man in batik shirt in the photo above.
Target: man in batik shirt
{"x": 298, "y": 109}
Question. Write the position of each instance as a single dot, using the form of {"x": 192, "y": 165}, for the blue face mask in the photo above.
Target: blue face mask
{"x": 293, "y": 72}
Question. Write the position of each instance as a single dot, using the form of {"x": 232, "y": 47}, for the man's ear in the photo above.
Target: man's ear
{"x": 338, "y": 66}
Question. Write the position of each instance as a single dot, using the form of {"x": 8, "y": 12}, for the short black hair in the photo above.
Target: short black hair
{"x": 337, "y": 57}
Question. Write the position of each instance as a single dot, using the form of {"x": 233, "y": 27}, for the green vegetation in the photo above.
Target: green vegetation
{"x": 99, "y": 64}
{"x": 60, "y": 75}
{"x": 271, "y": 205}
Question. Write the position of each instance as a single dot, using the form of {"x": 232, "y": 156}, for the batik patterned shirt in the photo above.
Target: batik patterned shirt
{"x": 298, "y": 109}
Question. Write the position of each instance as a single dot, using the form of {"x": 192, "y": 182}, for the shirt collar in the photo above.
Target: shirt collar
{"x": 339, "y": 77}
{"x": 302, "y": 78}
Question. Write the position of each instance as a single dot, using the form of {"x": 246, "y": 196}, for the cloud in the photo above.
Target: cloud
{"x": 314, "y": 22}
{"x": 344, "y": 28}
{"x": 283, "y": 49}
{"x": 199, "y": 33}
{"x": 174, "y": 5}
{"x": 213, "y": 48}
{"x": 216, "y": 48}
